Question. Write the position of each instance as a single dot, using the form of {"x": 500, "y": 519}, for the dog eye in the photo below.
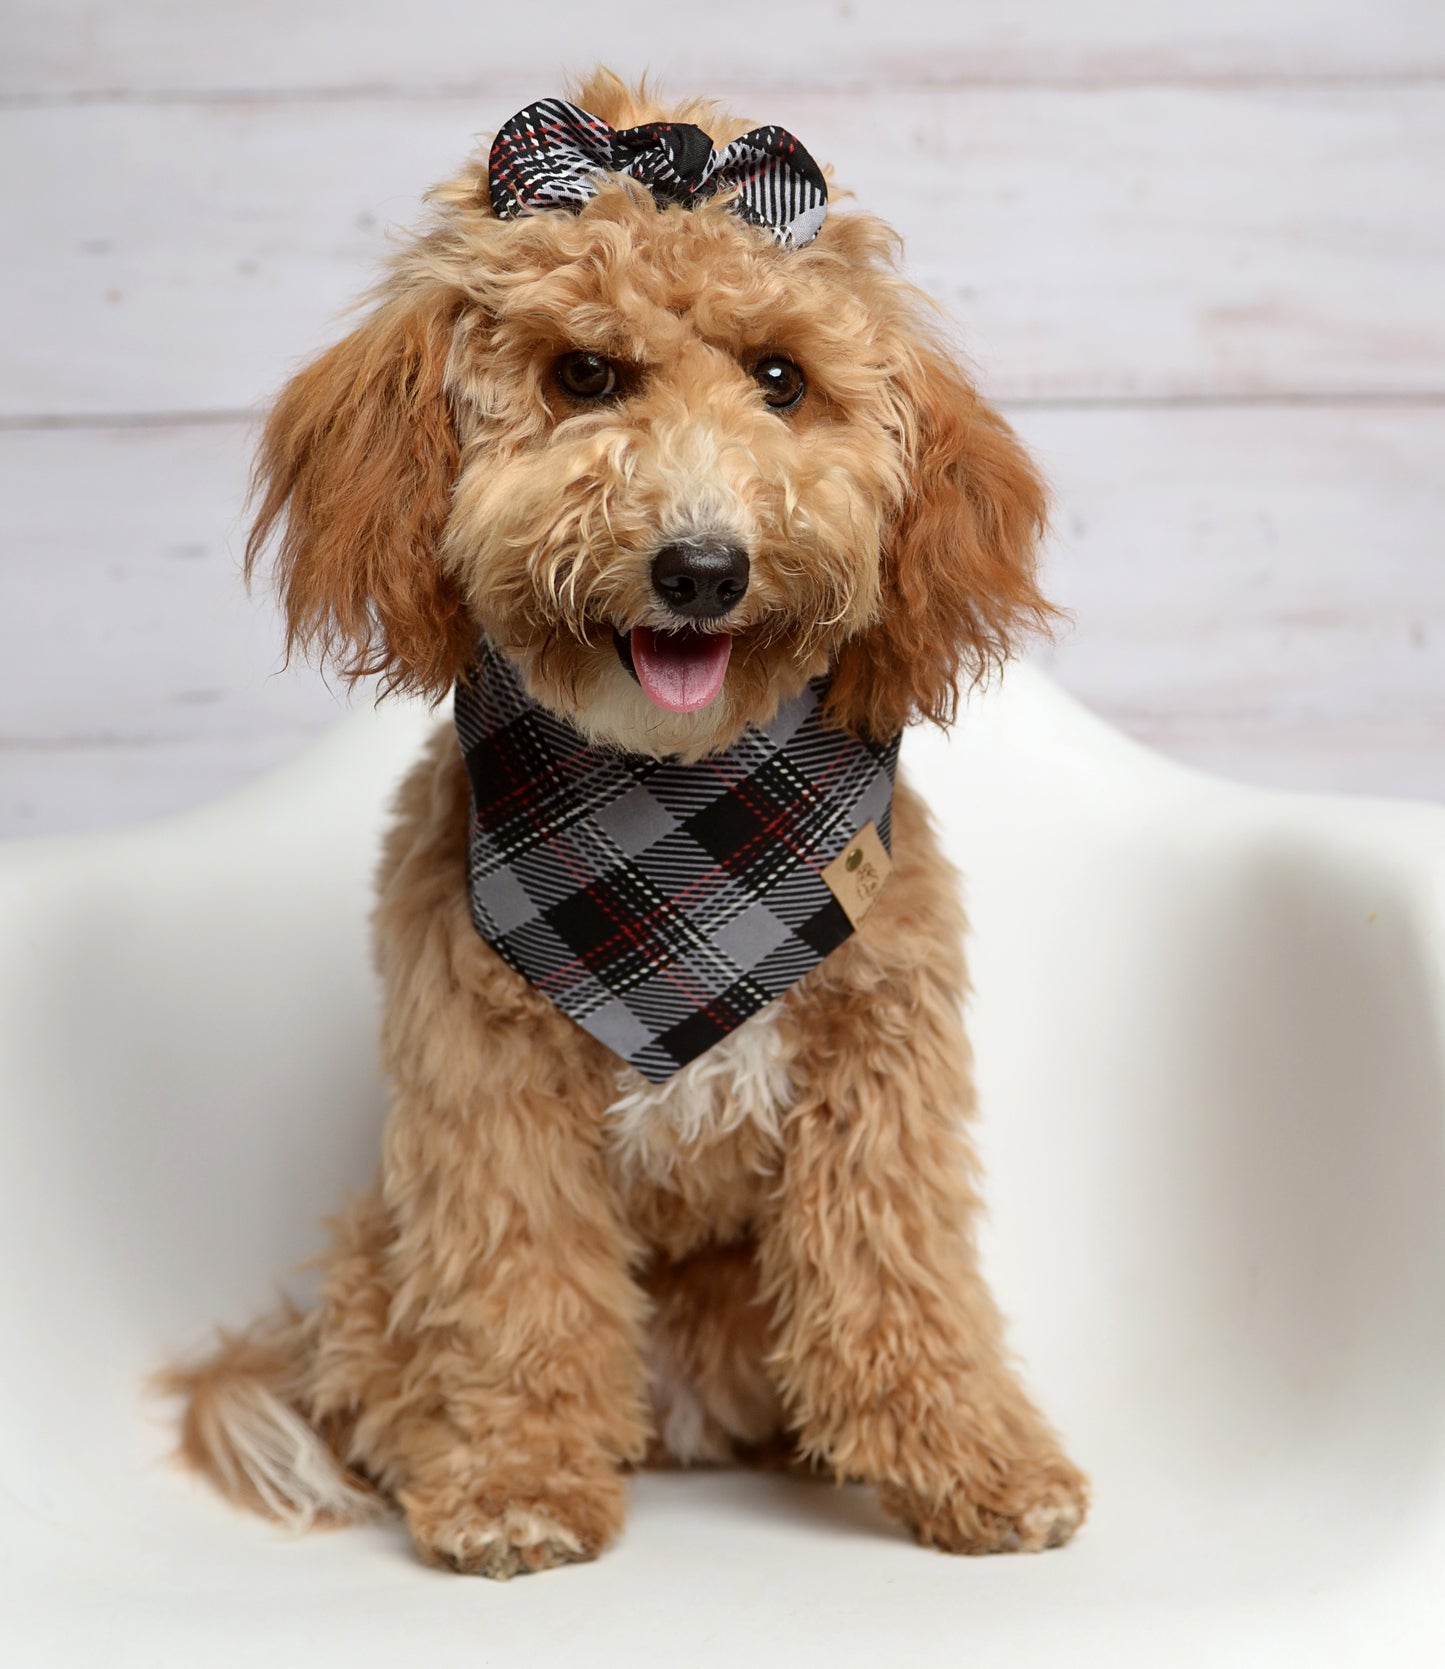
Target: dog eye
{"x": 781, "y": 381}
{"x": 587, "y": 376}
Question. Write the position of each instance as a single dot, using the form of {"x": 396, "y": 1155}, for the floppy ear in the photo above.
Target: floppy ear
{"x": 958, "y": 563}
{"x": 355, "y": 471}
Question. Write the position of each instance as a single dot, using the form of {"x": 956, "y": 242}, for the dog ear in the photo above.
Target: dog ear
{"x": 958, "y": 563}
{"x": 355, "y": 472}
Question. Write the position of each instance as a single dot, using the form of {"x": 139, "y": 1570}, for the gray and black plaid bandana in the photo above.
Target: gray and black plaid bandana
{"x": 656, "y": 903}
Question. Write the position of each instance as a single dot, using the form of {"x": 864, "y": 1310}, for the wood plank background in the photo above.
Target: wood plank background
{"x": 1199, "y": 260}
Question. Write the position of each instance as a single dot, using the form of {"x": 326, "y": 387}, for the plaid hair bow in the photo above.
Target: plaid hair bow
{"x": 549, "y": 155}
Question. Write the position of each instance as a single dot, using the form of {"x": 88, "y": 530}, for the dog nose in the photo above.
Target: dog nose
{"x": 701, "y": 579}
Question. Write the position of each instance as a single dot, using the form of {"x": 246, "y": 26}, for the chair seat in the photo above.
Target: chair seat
{"x": 1210, "y": 1027}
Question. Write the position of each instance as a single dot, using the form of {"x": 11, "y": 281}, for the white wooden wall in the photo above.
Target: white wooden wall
{"x": 1197, "y": 253}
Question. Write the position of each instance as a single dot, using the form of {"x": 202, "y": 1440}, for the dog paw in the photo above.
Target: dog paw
{"x": 1024, "y": 1508}
{"x": 500, "y": 1532}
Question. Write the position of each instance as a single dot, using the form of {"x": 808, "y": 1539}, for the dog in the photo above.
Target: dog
{"x": 673, "y": 464}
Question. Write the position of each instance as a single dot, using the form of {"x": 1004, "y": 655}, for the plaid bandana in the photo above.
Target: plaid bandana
{"x": 656, "y": 903}
{"x": 549, "y": 156}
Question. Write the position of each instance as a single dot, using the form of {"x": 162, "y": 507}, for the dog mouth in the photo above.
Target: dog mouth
{"x": 680, "y": 671}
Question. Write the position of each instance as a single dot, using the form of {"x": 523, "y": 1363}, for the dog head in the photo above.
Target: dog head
{"x": 670, "y": 468}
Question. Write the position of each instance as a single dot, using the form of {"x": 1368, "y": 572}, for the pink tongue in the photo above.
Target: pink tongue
{"x": 680, "y": 671}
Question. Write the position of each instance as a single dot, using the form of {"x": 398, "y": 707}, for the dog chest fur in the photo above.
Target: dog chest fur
{"x": 731, "y": 1098}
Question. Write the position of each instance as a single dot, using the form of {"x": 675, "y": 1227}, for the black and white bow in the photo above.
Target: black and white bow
{"x": 549, "y": 156}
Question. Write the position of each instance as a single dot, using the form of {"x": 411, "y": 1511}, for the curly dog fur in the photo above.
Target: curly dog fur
{"x": 563, "y": 1271}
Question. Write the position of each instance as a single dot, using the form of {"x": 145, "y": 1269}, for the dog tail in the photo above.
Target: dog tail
{"x": 244, "y": 1427}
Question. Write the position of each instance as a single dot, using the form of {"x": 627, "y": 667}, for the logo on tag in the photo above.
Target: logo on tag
{"x": 856, "y": 876}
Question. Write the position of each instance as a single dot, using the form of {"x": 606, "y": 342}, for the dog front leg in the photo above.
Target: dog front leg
{"x": 522, "y": 1388}
{"x": 889, "y": 1347}
{"x": 513, "y": 1388}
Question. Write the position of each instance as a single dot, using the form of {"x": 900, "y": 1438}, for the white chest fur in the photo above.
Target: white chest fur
{"x": 744, "y": 1078}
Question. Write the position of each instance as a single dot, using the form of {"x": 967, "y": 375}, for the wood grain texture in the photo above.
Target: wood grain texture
{"x": 135, "y": 674}
{"x": 64, "y": 48}
{"x": 1257, "y": 591}
{"x": 1260, "y": 591}
{"x": 1093, "y": 245}
{"x": 1199, "y": 251}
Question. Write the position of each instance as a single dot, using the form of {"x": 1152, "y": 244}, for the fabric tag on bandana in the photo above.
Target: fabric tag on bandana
{"x": 856, "y": 876}
{"x": 660, "y": 904}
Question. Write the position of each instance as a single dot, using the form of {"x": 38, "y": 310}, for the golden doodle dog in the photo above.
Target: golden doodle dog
{"x": 657, "y": 464}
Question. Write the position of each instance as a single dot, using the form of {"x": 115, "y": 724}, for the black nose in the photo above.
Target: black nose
{"x": 700, "y": 579}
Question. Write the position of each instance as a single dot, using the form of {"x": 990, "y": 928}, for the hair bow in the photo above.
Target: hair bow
{"x": 549, "y": 155}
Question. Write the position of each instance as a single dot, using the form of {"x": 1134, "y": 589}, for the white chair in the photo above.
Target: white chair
{"x": 1212, "y": 1062}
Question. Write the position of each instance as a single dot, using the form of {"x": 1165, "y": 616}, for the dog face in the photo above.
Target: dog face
{"x": 671, "y": 469}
